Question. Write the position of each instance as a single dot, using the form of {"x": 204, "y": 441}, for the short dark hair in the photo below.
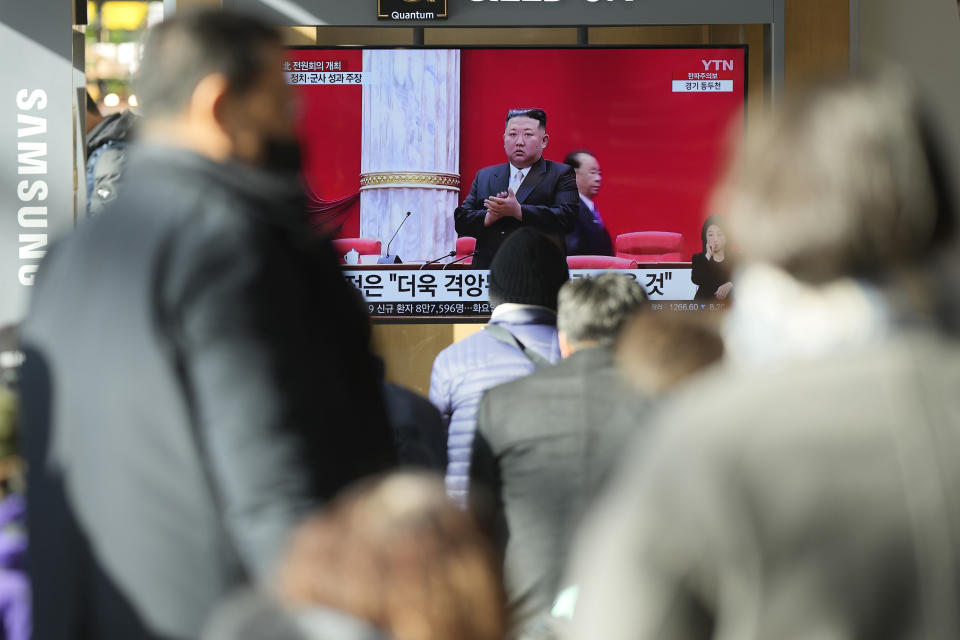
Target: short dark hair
{"x": 528, "y": 268}
{"x": 573, "y": 158}
{"x": 537, "y": 114}
{"x": 181, "y": 51}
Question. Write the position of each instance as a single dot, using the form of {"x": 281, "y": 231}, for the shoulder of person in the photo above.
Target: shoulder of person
{"x": 558, "y": 167}
{"x": 494, "y": 168}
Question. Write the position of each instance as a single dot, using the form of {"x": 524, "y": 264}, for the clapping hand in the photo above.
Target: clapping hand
{"x": 503, "y": 204}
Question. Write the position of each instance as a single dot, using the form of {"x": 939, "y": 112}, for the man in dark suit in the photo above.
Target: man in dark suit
{"x": 548, "y": 440}
{"x": 197, "y": 375}
{"x": 527, "y": 190}
{"x": 589, "y": 236}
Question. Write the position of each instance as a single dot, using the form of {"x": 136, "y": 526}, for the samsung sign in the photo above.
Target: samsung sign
{"x": 38, "y": 125}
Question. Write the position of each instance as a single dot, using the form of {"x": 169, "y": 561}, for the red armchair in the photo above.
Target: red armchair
{"x": 364, "y": 246}
{"x": 465, "y": 246}
{"x": 600, "y": 262}
{"x": 650, "y": 246}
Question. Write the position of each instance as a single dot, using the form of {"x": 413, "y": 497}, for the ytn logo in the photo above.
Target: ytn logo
{"x": 718, "y": 65}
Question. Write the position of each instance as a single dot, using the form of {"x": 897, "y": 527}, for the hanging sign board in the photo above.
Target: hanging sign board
{"x": 507, "y": 13}
{"x": 407, "y": 10}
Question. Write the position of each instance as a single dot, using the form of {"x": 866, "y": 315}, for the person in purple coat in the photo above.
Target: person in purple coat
{"x": 14, "y": 583}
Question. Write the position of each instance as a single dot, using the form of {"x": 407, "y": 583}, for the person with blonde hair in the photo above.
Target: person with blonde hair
{"x": 656, "y": 352}
{"x": 396, "y": 553}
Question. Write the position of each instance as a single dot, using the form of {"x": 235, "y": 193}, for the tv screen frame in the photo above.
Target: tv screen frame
{"x": 445, "y": 292}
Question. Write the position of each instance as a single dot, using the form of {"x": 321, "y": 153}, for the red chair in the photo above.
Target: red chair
{"x": 465, "y": 246}
{"x": 364, "y": 246}
{"x": 600, "y": 262}
{"x": 650, "y": 246}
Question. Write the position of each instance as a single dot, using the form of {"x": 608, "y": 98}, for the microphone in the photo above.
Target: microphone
{"x": 446, "y": 255}
{"x": 460, "y": 259}
{"x": 387, "y": 257}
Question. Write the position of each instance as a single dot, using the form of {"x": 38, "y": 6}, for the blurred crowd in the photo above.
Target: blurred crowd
{"x": 211, "y": 451}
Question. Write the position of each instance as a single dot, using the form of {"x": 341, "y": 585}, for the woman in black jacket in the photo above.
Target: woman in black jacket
{"x": 712, "y": 267}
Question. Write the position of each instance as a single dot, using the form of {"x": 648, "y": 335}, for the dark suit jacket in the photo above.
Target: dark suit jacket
{"x": 589, "y": 237}
{"x": 197, "y": 380}
{"x": 543, "y": 447}
{"x": 548, "y": 201}
{"x": 418, "y": 428}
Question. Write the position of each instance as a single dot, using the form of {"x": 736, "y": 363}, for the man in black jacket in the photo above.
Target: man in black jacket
{"x": 197, "y": 374}
{"x": 528, "y": 190}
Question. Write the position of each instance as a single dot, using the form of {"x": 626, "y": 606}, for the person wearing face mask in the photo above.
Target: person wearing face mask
{"x": 711, "y": 269}
{"x": 199, "y": 375}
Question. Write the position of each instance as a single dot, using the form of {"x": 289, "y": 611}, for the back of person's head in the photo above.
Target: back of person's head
{"x": 395, "y": 552}
{"x": 592, "y": 310}
{"x": 528, "y": 268}
{"x": 656, "y": 351}
{"x": 183, "y": 50}
{"x": 842, "y": 180}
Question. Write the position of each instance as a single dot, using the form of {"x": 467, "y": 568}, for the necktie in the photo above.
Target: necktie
{"x": 516, "y": 181}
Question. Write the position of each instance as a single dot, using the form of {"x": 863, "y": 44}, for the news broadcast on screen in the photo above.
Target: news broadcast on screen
{"x": 611, "y": 152}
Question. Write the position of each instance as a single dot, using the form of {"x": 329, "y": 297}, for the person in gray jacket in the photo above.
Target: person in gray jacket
{"x": 807, "y": 489}
{"x": 550, "y": 438}
{"x": 197, "y": 374}
{"x": 525, "y": 276}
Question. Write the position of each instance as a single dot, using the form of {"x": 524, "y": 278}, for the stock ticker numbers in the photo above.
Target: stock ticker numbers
{"x": 693, "y": 306}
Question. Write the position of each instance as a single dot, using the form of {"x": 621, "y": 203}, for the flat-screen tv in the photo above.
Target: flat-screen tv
{"x": 394, "y": 138}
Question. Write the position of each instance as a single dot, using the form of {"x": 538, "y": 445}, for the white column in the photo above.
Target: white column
{"x": 410, "y": 158}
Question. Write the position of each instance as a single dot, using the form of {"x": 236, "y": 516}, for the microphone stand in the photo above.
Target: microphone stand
{"x": 448, "y": 255}
{"x": 387, "y": 257}
{"x": 460, "y": 259}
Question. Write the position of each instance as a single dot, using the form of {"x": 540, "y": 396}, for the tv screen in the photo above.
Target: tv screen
{"x": 394, "y": 139}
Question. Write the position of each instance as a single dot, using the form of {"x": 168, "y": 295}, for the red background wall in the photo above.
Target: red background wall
{"x": 330, "y": 120}
{"x": 660, "y": 151}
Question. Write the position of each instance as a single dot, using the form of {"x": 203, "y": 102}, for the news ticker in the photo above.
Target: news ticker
{"x": 393, "y": 293}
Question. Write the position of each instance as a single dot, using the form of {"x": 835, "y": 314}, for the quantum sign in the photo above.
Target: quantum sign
{"x": 404, "y": 10}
